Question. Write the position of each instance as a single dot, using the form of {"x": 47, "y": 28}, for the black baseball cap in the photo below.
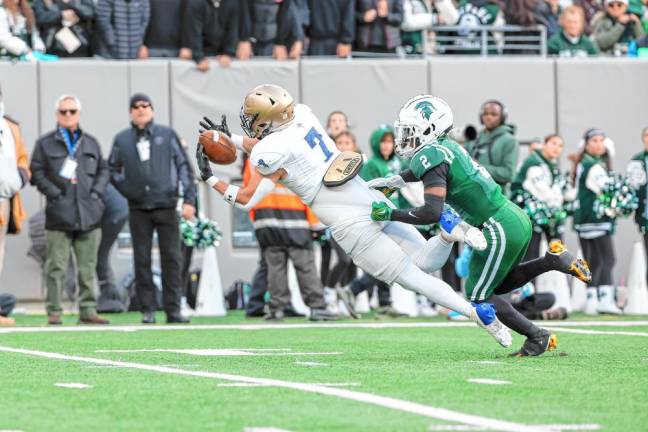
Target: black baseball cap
{"x": 140, "y": 97}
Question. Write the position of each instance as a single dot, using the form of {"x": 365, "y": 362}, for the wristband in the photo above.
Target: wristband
{"x": 211, "y": 181}
{"x": 230, "y": 194}
{"x": 237, "y": 140}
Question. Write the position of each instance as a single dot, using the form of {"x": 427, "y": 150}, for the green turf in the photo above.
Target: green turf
{"x": 602, "y": 379}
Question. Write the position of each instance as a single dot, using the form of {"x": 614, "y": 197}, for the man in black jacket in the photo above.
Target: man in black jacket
{"x": 331, "y": 27}
{"x": 68, "y": 168}
{"x": 165, "y": 32}
{"x": 212, "y": 29}
{"x": 269, "y": 28}
{"x": 146, "y": 164}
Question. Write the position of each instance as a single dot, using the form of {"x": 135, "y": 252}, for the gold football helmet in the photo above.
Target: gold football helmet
{"x": 266, "y": 108}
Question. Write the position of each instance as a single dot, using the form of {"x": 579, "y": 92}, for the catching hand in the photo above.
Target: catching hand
{"x": 207, "y": 124}
{"x": 203, "y": 164}
{"x": 380, "y": 211}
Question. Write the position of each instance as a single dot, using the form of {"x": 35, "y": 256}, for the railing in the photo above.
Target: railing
{"x": 488, "y": 40}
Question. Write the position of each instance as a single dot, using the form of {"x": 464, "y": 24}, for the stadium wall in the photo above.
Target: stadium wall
{"x": 542, "y": 96}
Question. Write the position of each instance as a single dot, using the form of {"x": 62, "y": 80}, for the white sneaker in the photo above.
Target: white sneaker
{"x": 497, "y": 330}
{"x": 591, "y": 304}
{"x": 607, "y": 303}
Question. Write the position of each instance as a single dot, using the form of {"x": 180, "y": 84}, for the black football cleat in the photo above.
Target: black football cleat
{"x": 563, "y": 261}
{"x": 537, "y": 345}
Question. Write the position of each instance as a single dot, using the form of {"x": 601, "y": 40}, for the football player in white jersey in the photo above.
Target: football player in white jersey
{"x": 287, "y": 144}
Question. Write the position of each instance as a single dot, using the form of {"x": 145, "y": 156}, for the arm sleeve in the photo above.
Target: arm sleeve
{"x": 103, "y": 175}
{"x": 231, "y": 25}
{"x": 185, "y": 174}
{"x": 245, "y": 20}
{"x": 596, "y": 179}
{"x": 447, "y": 11}
{"x": 39, "y": 176}
{"x": 536, "y": 184}
{"x": 264, "y": 188}
{"x": 104, "y": 11}
{"x": 408, "y": 176}
{"x": 395, "y": 15}
{"x": 430, "y": 212}
{"x": 347, "y": 23}
{"x": 46, "y": 15}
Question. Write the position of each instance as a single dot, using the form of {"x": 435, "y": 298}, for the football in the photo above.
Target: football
{"x": 221, "y": 151}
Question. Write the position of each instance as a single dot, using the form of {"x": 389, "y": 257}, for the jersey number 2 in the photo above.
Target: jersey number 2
{"x": 314, "y": 138}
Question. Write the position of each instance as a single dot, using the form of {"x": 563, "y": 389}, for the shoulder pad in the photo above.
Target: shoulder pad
{"x": 11, "y": 120}
{"x": 267, "y": 158}
{"x": 429, "y": 157}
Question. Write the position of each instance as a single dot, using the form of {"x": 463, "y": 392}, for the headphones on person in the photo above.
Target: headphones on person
{"x": 503, "y": 111}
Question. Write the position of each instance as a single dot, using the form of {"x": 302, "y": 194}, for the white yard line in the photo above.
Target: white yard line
{"x": 133, "y": 328}
{"x": 245, "y": 384}
{"x": 310, "y": 363}
{"x": 595, "y": 332}
{"x": 73, "y": 385}
{"x": 551, "y": 427}
{"x": 225, "y": 352}
{"x": 264, "y": 429}
{"x": 368, "y": 398}
{"x": 488, "y": 381}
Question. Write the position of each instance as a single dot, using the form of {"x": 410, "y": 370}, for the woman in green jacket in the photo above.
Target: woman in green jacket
{"x": 595, "y": 231}
{"x": 637, "y": 174}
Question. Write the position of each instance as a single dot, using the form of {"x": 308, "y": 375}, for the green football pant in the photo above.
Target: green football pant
{"x": 507, "y": 233}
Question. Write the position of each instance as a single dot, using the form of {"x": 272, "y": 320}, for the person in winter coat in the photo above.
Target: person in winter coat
{"x": 166, "y": 33}
{"x": 332, "y": 27}
{"x": 68, "y": 168}
{"x": 379, "y": 24}
{"x": 420, "y": 15}
{"x": 65, "y": 26}
{"x": 123, "y": 24}
{"x": 616, "y": 27}
{"x": 495, "y": 148}
{"x": 547, "y": 13}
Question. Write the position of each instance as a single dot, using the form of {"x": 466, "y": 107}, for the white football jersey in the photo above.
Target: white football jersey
{"x": 302, "y": 148}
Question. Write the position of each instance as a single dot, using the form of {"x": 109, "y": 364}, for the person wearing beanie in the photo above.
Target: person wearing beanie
{"x": 590, "y": 175}
{"x": 147, "y": 166}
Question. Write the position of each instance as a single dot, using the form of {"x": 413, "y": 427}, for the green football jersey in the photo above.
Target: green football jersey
{"x": 470, "y": 189}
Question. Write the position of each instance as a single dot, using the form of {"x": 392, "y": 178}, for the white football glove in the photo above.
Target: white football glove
{"x": 393, "y": 182}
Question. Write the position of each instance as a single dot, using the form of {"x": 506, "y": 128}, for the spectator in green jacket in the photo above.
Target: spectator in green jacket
{"x": 571, "y": 41}
{"x": 616, "y": 27}
{"x": 495, "y": 148}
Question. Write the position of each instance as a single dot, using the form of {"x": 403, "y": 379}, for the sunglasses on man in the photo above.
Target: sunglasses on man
{"x": 141, "y": 106}
{"x": 67, "y": 111}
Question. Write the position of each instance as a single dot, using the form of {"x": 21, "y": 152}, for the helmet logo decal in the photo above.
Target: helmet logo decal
{"x": 262, "y": 164}
{"x": 426, "y": 108}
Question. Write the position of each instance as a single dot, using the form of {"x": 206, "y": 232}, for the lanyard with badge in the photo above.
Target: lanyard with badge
{"x": 144, "y": 148}
{"x": 68, "y": 170}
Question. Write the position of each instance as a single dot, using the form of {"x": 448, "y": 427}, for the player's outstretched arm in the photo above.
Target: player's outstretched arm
{"x": 246, "y": 197}
{"x": 241, "y": 142}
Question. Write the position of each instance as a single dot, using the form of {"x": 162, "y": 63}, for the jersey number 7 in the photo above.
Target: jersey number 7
{"x": 314, "y": 138}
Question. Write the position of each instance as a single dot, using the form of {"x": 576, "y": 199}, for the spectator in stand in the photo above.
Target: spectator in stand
{"x": 495, "y": 148}
{"x": 547, "y": 13}
{"x": 66, "y": 26}
{"x": 474, "y": 13}
{"x": 122, "y": 24}
{"x": 147, "y": 163}
{"x": 420, "y": 15}
{"x": 269, "y": 28}
{"x": 18, "y": 31}
{"x": 14, "y": 175}
{"x": 638, "y": 175}
{"x": 332, "y": 27}
{"x": 212, "y": 29}
{"x": 165, "y": 32}
{"x": 571, "y": 41}
{"x": 592, "y": 9}
{"x": 379, "y": 23}
{"x": 616, "y": 28}
{"x": 336, "y": 123}
{"x": 68, "y": 168}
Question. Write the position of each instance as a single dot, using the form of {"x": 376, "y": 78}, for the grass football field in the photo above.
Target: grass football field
{"x": 233, "y": 374}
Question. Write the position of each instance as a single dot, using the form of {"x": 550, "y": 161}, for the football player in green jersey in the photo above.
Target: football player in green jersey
{"x": 449, "y": 175}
